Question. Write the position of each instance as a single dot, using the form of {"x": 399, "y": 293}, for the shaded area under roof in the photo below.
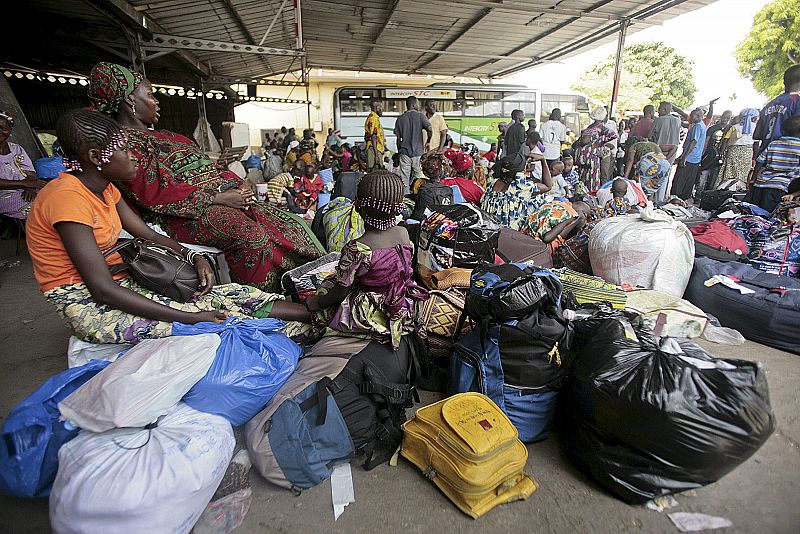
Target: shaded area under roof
{"x": 474, "y": 38}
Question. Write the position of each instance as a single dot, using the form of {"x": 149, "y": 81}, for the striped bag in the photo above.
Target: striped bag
{"x": 591, "y": 289}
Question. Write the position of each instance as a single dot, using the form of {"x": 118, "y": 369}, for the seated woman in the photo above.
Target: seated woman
{"x": 18, "y": 181}
{"x": 464, "y": 168}
{"x": 194, "y": 201}
{"x": 510, "y": 196}
{"x": 556, "y": 221}
{"x": 79, "y": 216}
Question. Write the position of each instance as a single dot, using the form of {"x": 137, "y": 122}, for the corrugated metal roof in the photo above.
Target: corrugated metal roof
{"x": 475, "y": 38}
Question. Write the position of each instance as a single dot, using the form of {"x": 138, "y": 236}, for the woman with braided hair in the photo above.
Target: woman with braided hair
{"x": 178, "y": 187}
{"x": 79, "y": 216}
{"x": 371, "y": 294}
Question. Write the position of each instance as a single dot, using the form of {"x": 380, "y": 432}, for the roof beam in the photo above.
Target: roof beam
{"x": 471, "y": 24}
{"x": 383, "y": 27}
{"x": 526, "y": 9}
{"x": 145, "y": 27}
{"x": 423, "y": 50}
{"x": 162, "y": 40}
{"x": 649, "y": 11}
{"x": 274, "y": 20}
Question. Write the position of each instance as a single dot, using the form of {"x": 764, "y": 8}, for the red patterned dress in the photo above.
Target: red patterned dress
{"x": 175, "y": 186}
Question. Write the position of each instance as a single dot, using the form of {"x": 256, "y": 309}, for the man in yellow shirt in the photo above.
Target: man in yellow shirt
{"x": 373, "y": 135}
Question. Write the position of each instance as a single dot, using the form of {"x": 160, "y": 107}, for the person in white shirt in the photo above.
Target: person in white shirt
{"x": 553, "y": 133}
{"x": 439, "y": 125}
{"x": 560, "y": 186}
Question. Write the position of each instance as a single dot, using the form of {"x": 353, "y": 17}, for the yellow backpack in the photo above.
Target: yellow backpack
{"x": 468, "y": 447}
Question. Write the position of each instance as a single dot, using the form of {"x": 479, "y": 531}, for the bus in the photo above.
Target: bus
{"x": 472, "y": 112}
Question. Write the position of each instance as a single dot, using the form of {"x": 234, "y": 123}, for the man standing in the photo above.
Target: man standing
{"x": 553, "y": 133}
{"x": 514, "y": 138}
{"x": 501, "y": 139}
{"x": 666, "y": 133}
{"x": 373, "y": 135}
{"x": 439, "y": 125}
{"x": 689, "y": 162}
{"x": 711, "y": 157}
{"x": 645, "y": 124}
{"x": 410, "y": 144}
{"x": 781, "y": 108}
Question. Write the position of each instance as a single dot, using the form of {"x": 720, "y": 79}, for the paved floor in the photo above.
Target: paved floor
{"x": 761, "y": 496}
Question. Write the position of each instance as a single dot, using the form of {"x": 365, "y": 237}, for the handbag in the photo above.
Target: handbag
{"x": 157, "y": 268}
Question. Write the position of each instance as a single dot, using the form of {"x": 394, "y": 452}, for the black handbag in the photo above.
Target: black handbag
{"x": 157, "y": 268}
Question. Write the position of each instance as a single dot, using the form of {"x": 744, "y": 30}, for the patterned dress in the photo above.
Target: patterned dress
{"x": 652, "y": 170}
{"x": 512, "y": 206}
{"x": 547, "y": 217}
{"x": 587, "y": 158}
{"x": 175, "y": 186}
{"x": 12, "y": 167}
{"x": 382, "y": 299}
{"x": 98, "y": 323}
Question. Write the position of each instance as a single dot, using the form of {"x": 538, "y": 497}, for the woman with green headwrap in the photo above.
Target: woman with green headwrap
{"x": 189, "y": 196}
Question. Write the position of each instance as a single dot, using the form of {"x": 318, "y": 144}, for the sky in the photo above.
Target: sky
{"x": 707, "y": 36}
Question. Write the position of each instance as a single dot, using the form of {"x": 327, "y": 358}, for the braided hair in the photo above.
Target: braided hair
{"x": 80, "y": 130}
{"x": 379, "y": 198}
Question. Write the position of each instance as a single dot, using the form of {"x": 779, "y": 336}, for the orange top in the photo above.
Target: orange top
{"x": 66, "y": 199}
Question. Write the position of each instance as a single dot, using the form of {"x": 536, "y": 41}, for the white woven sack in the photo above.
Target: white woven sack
{"x": 650, "y": 250}
{"x": 141, "y": 481}
{"x": 141, "y": 385}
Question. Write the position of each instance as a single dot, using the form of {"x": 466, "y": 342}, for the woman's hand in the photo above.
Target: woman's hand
{"x": 312, "y": 303}
{"x": 29, "y": 194}
{"x": 205, "y": 274}
{"x": 240, "y": 199}
{"x": 214, "y": 316}
{"x": 31, "y": 183}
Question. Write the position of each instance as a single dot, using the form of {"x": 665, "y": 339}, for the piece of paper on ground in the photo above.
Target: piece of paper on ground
{"x": 688, "y": 522}
{"x": 342, "y": 492}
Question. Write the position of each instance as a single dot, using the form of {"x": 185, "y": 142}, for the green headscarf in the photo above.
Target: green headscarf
{"x": 110, "y": 84}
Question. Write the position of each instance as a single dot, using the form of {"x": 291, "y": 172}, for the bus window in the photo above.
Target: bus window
{"x": 528, "y": 107}
{"x": 355, "y": 100}
{"x": 473, "y": 108}
{"x": 530, "y": 97}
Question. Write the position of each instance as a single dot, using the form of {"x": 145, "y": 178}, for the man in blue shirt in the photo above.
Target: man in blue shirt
{"x": 689, "y": 163}
{"x": 783, "y": 107}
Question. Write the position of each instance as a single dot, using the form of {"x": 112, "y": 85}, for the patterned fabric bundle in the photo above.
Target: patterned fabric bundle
{"x": 774, "y": 244}
{"x": 591, "y": 289}
{"x": 342, "y": 223}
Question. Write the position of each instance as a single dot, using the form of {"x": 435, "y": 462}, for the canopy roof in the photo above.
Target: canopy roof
{"x": 231, "y": 40}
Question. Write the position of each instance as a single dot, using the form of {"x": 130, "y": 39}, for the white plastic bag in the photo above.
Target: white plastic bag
{"x": 650, "y": 250}
{"x": 142, "y": 385}
{"x": 80, "y": 352}
{"x": 667, "y": 315}
{"x": 138, "y": 480}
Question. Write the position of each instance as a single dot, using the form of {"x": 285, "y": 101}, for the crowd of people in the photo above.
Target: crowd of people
{"x": 123, "y": 174}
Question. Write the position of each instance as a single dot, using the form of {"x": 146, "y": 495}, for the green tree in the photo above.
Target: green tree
{"x": 651, "y": 72}
{"x": 772, "y": 46}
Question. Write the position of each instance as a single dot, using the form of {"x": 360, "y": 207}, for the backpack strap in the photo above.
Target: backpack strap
{"x": 320, "y": 398}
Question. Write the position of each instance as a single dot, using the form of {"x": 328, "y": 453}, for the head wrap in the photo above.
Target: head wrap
{"x": 7, "y": 116}
{"x": 749, "y": 117}
{"x": 110, "y": 84}
{"x": 599, "y": 113}
{"x": 462, "y": 161}
{"x": 293, "y": 144}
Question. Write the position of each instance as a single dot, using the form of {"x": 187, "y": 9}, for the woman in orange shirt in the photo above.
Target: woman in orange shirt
{"x": 79, "y": 215}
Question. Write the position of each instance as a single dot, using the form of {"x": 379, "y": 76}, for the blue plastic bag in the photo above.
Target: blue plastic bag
{"x": 47, "y": 168}
{"x": 253, "y": 162}
{"x": 32, "y": 434}
{"x": 253, "y": 361}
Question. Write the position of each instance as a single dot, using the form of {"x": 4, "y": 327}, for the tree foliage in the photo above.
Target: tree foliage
{"x": 772, "y": 46}
{"x": 651, "y": 72}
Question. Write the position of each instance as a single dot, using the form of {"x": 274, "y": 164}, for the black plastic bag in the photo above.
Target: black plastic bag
{"x": 650, "y": 417}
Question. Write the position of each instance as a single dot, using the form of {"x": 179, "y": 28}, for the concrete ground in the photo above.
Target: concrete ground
{"x": 760, "y": 496}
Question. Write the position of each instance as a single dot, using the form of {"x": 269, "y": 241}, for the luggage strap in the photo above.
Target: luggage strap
{"x": 320, "y": 398}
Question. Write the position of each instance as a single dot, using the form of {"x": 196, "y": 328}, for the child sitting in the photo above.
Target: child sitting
{"x": 432, "y": 192}
{"x": 372, "y": 286}
{"x": 560, "y": 186}
{"x": 618, "y": 204}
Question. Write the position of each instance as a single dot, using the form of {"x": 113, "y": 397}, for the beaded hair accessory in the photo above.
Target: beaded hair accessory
{"x": 8, "y": 118}
{"x": 380, "y": 224}
{"x": 72, "y": 165}
{"x": 116, "y": 142}
{"x": 389, "y": 208}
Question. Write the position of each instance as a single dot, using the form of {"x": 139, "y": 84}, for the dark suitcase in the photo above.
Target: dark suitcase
{"x": 711, "y": 200}
{"x": 516, "y": 247}
{"x": 347, "y": 184}
{"x": 769, "y": 316}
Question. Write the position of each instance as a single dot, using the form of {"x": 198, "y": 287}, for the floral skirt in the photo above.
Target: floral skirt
{"x": 98, "y": 323}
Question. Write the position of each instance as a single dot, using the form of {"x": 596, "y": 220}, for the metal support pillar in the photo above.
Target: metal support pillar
{"x": 623, "y": 32}
{"x": 204, "y": 142}
{"x": 299, "y": 45}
